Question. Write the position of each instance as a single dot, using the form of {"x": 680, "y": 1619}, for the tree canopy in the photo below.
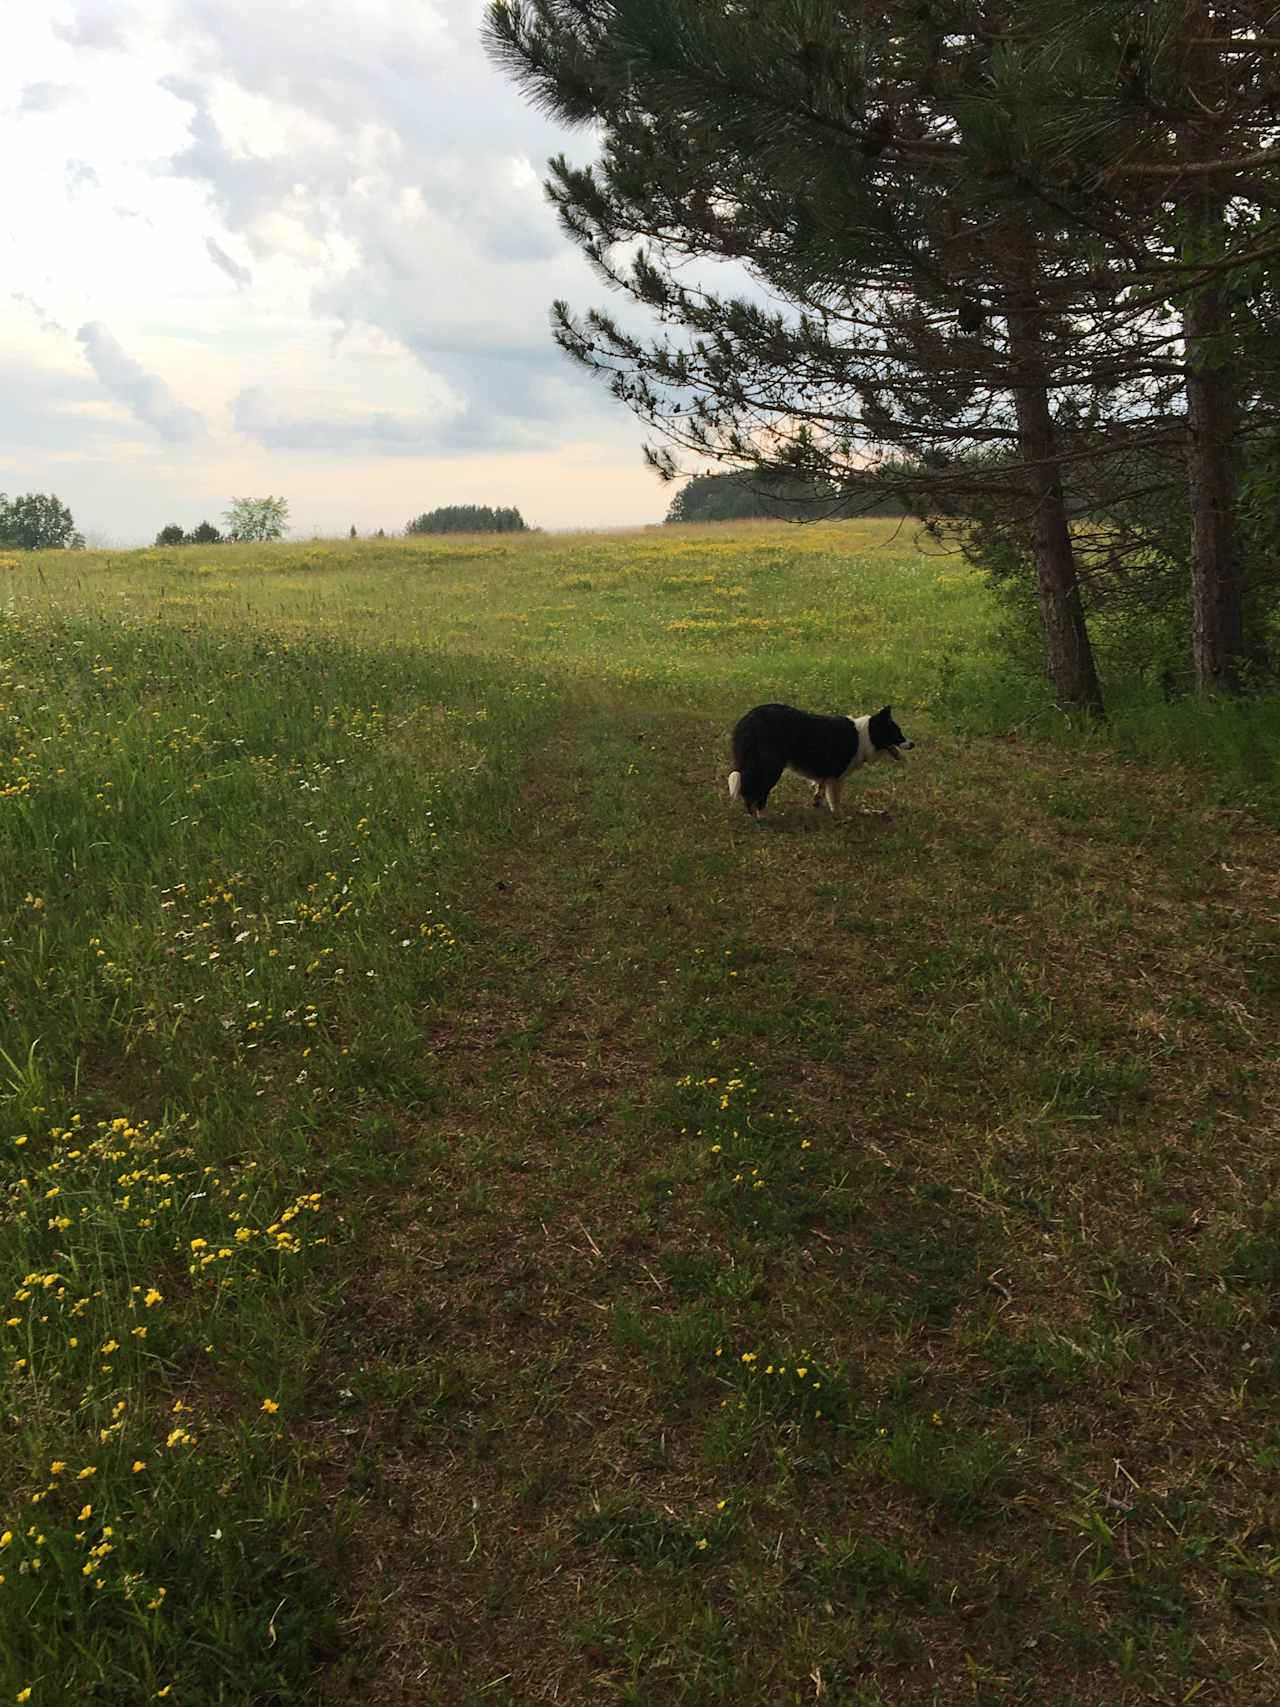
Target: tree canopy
{"x": 736, "y": 497}
{"x": 37, "y": 521}
{"x": 257, "y": 519}
{"x": 992, "y": 238}
{"x": 468, "y": 518}
{"x": 204, "y": 534}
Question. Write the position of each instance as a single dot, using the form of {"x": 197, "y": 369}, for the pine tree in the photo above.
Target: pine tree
{"x": 1160, "y": 122}
{"x": 828, "y": 147}
{"x": 976, "y": 240}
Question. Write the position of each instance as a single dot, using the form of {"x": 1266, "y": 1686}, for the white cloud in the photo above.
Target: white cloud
{"x": 47, "y": 324}
{"x": 287, "y": 427}
{"x": 235, "y": 272}
{"x": 47, "y": 409}
{"x": 142, "y": 393}
{"x": 79, "y": 175}
{"x": 371, "y": 187}
{"x": 105, "y": 26}
{"x": 45, "y": 97}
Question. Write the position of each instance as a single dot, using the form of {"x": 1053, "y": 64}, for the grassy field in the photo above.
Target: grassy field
{"x": 486, "y": 1224}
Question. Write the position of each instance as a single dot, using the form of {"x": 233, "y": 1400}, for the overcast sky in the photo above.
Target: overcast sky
{"x": 296, "y": 247}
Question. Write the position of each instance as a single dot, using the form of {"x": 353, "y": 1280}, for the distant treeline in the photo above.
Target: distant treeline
{"x": 205, "y": 534}
{"x": 468, "y": 518}
{"x": 742, "y": 496}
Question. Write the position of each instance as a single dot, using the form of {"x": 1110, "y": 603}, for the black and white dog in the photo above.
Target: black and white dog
{"x": 774, "y": 738}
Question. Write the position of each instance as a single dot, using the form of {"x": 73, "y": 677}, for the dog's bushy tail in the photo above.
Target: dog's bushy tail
{"x": 735, "y": 784}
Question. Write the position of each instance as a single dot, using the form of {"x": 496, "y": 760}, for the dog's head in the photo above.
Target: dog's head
{"x": 885, "y": 736}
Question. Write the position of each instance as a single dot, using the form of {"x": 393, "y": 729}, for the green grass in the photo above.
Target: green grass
{"x": 689, "y": 1261}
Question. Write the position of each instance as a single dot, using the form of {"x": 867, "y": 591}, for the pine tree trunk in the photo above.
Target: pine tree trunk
{"x": 1068, "y": 654}
{"x": 1217, "y": 602}
{"x": 1217, "y": 593}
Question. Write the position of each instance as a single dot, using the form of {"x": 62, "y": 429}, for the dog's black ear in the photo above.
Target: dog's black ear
{"x": 887, "y": 711}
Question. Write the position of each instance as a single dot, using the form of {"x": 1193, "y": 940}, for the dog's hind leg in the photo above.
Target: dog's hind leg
{"x": 831, "y": 790}
{"x": 755, "y": 785}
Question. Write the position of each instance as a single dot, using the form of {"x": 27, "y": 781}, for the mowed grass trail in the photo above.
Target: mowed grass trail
{"x": 484, "y": 1223}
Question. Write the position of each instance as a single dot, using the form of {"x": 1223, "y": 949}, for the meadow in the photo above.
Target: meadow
{"x": 483, "y": 1223}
